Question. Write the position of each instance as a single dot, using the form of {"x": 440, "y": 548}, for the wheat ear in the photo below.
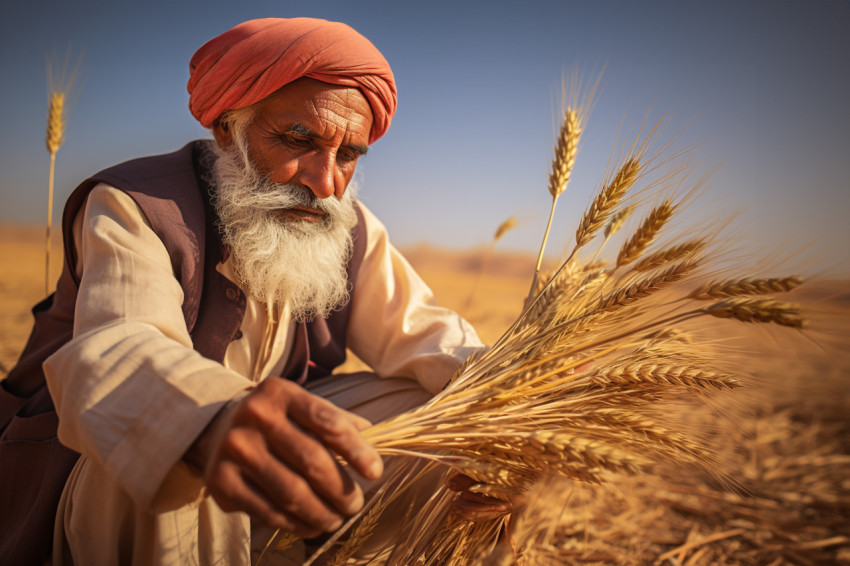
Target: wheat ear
{"x": 757, "y": 309}
{"x": 607, "y": 201}
{"x": 645, "y": 234}
{"x": 746, "y": 286}
{"x": 673, "y": 253}
{"x": 562, "y": 167}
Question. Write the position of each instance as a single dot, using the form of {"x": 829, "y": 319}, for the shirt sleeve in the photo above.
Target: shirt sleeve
{"x": 395, "y": 325}
{"x": 130, "y": 391}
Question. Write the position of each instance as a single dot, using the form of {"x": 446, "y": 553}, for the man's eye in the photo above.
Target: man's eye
{"x": 347, "y": 156}
{"x": 295, "y": 141}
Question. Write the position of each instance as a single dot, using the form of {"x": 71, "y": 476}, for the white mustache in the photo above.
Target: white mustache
{"x": 270, "y": 196}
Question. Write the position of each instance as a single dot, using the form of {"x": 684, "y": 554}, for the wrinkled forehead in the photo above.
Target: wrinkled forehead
{"x": 319, "y": 110}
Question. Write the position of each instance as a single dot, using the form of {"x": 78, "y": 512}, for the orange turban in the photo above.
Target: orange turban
{"x": 256, "y": 58}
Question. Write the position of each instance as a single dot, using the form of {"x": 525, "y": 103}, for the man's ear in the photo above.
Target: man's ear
{"x": 221, "y": 133}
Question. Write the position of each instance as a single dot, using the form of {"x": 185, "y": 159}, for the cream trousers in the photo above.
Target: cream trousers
{"x": 98, "y": 524}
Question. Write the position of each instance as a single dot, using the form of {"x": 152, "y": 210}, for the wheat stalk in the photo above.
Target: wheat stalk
{"x": 667, "y": 255}
{"x": 577, "y": 385}
{"x": 745, "y": 286}
{"x": 606, "y": 201}
{"x": 55, "y": 121}
{"x": 645, "y": 286}
{"x": 59, "y": 84}
{"x": 562, "y": 167}
{"x": 617, "y": 220}
{"x": 668, "y": 374}
{"x": 645, "y": 234}
{"x": 363, "y": 531}
{"x": 504, "y": 228}
{"x": 752, "y": 309}
{"x": 566, "y": 147}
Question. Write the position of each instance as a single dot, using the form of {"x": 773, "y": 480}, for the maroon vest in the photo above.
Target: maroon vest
{"x": 173, "y": 193}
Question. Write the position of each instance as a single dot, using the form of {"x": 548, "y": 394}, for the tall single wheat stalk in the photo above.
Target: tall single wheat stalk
{"x": 60, "y": 81}
{"x": 576, "y": 111}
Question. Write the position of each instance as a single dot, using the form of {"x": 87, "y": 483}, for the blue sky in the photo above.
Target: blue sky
{"x": 763, "y": 87}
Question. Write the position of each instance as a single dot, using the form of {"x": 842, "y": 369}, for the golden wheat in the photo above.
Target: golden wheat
{"x": 59, "y": 84}
{"x": 667, "y": 255}
{"x": 617, "y": 220}
{"x": 365, "y": 528}
{"x": 751, "y": 309}
{"x": 55, "y": 121}
{"x": 504, "y": 227}
{"x": 562, "y": 166}
{"x": 576, "y": 386}
{"x": 745, "y": 286}
{"x": 565, "y": 152}
{"x": 607, "y": 201}
{"x": 646, "y": 234}
{"x": 646, "y": 285}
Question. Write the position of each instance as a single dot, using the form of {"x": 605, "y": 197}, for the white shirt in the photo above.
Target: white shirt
{"x": 132, "y": 394}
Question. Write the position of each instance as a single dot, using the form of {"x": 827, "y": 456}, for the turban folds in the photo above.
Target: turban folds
{"x": 249, "y": 62}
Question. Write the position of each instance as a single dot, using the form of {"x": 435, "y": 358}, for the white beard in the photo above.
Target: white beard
{"x": 295, "y": 262}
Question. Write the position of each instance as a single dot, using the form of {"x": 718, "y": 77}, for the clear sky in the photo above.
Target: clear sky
{"x": 763, "y": 86}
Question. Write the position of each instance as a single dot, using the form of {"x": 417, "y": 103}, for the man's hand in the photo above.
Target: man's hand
{"x": 270, "y": 455}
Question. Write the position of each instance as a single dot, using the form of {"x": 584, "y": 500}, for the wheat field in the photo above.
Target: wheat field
{"x": 784, "y": 443}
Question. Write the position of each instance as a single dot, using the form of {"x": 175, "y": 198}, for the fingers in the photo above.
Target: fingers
{"x": 274, "y": 460}
{"x": 250, "y": 478}
{"x": 359, "y": 422}
{"x": 340, "y": 431}
{"x": 316, "y": 467}
{"x": 228, "y": 487}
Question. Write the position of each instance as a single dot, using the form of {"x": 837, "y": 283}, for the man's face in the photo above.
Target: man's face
{"x": 309, "y": 134}
{"x": 289, "y": 241}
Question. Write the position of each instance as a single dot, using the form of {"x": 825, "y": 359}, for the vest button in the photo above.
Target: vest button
{"x": 238, "y": 335}
{"x": 231, "y": 293}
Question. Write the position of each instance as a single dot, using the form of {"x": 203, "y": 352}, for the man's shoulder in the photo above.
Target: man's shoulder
{"x": 168, "y": 189}
{"x": 153, "y": 167}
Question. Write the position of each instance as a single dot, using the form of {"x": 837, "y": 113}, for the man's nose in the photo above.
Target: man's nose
{"x": 317, "y": 174}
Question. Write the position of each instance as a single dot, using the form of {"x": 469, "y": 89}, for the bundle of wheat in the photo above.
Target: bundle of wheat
{"x": 577, "y": 386}
{"x": 788, "y": 506}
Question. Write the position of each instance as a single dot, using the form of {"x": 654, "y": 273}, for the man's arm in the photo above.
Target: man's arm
{"x": 130, "y": 392}
{"x": 133, "y": 396}
{"x": 396, "y": 326}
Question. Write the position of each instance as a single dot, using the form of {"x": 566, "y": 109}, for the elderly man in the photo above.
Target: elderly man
{"x": 194, "y": 280}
